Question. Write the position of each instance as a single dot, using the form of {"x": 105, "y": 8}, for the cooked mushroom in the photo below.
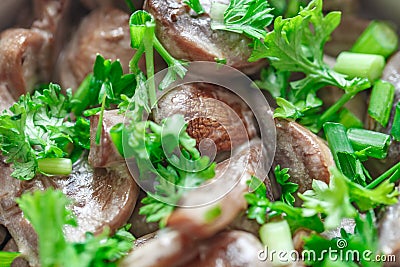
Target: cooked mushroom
{"x": 170, "y": 248}
{"x": 389, "y": 239}
{"x": 3, "y": 235}
{"x": 232, "y": 248}
{"x": 104, "y": 154}
{"x": 224, "y": 192}
{"x": 212, "y": 112}
{"x": 104, "y": 31}
{"x": 27, "y": 55}
{"x": 140, "y": 227}
{"x": 6, "y": 98}
{"x": 95, "y": 205}
{"x": 187, "y": 36}
{"x": 305, "y": 154}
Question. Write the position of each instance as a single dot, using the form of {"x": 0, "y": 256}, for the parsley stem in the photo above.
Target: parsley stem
{"x": 133, "y": 64}
{"x": 100, "y": 123}
{"x": 148, "y": 41}
{"x": 332, "y": 110}
{"x": 55, "y": 166}
{"x": 393, "y": 171}
{"x": 163, "y": 52}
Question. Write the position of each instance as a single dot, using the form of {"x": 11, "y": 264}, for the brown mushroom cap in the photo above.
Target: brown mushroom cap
{"x": 305, "y": 154}
{"x": 212, "y": 112}
{"x": 187, "y": 36}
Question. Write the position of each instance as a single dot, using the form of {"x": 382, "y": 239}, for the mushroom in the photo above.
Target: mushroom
{"x": 27, "y": 56}
{"x": 95, "y": 205}
{"x": 305, "y": 154}
{"x": 212, "y": 112}
{"x": 189, "y": 36}
{"x": 231, "y": 248}
{"x": 104, "y": 31}
{"x": 224, "y": 192}
{"x": 104, "y": 154}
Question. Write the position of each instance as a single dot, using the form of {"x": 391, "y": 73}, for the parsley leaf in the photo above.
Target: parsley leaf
{"x": 288, "y": 188}
{"x": 154, "y": 148}
{"x": 365, "y": 238}
{"x": 260, "y": 208}
{"x": 47, "y": 212}
{"x": 296, "y": 45}
{"x": 248, "y": 17}
{"x": 335, "y": 200}
{"x": 274, "y": 81}
{"x": 37, "y": 127}
{"x": 195, "y": 5}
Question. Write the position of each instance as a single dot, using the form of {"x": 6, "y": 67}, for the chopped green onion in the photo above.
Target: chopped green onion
{"x": 6, "y": 258}
{"x": 277, "y": 238}
{"x": 393, "y": 173}
{"x": 217, "y": 11}
{"x": 381, "y": 101}
{"x": 373, "y": 144}
{"x": 343, "y": 152}
{"x": 349, "y": 120}
{"x": 55, "y": 166}
{"x": 337, "y": 139}
{"x": 378, "y": 38}
{"x": 360, "y": 65}
{"x": 395, "y": 132}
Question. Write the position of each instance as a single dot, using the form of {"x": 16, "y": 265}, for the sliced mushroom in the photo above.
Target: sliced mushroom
{"x": 95, "y": 204}
{"x": 232, "y": 248}
{"x": 188, "y": 36}
{"x": 104, "y": 154}
{"x": 140, "y": 227}
{"x": 230, "y": 182}
{"x": 104, "y": 31}
{"x": 6, "y": 98}
{"x": 27, "y": 55}
{"x": 3, "y": 235}
{"x": 305, "y": 154}
{"x": 212, "y": 112}
{"x": 145, "y": 238}
{"x": 389, "y": 237}
{"x": 170, "y": 248}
